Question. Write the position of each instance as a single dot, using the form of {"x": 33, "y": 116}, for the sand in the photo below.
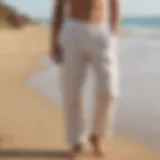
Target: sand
{"x": 29, "y": 120}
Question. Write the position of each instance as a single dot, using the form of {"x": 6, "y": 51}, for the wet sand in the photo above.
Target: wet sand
{"x": 28, "y": 119}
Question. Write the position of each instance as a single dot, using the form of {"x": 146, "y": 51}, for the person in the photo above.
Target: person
{"x": 81, "y": 37}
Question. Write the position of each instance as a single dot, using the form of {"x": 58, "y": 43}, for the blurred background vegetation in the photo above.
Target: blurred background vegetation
{"x": 11, "y": 18}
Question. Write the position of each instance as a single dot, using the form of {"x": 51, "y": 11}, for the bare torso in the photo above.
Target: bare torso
{"x": 88, "y": 10}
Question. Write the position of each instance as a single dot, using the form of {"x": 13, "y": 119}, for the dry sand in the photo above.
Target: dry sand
{"x": 29, "y": 120}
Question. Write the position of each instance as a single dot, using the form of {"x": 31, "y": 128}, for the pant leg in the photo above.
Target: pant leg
{"x": 72, "y": 81}
{"x": 106, "y": 90}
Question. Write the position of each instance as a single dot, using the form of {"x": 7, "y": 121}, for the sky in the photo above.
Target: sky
{"x": 129, "y": 8}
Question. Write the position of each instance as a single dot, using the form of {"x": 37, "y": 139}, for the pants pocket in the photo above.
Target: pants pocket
{"x": 98, "y": 41}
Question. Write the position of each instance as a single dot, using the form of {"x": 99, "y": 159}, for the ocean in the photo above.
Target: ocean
{"x": 142, "y": 22}
{"x": 131, "y": 22}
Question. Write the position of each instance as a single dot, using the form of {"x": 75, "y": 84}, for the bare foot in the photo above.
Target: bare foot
{"x": 76, "y": 150}
{"x": 97, "y": 145}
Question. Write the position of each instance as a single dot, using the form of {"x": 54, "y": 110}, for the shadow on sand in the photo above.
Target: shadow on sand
{"x": 36, "y": 153}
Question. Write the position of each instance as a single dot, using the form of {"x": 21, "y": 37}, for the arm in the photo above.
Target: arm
{"x": 57, "y": 20}
{"x": 115, "y": 14}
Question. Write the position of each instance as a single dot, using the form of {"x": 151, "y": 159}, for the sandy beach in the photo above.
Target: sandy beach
{"x": 29, "y": 120}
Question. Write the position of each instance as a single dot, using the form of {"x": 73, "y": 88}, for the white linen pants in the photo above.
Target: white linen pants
{"x": 88, "y": 44}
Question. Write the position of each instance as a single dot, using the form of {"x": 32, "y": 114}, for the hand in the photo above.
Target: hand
{"x": 56, "y": 53}
{"x": 114, "y": 32}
